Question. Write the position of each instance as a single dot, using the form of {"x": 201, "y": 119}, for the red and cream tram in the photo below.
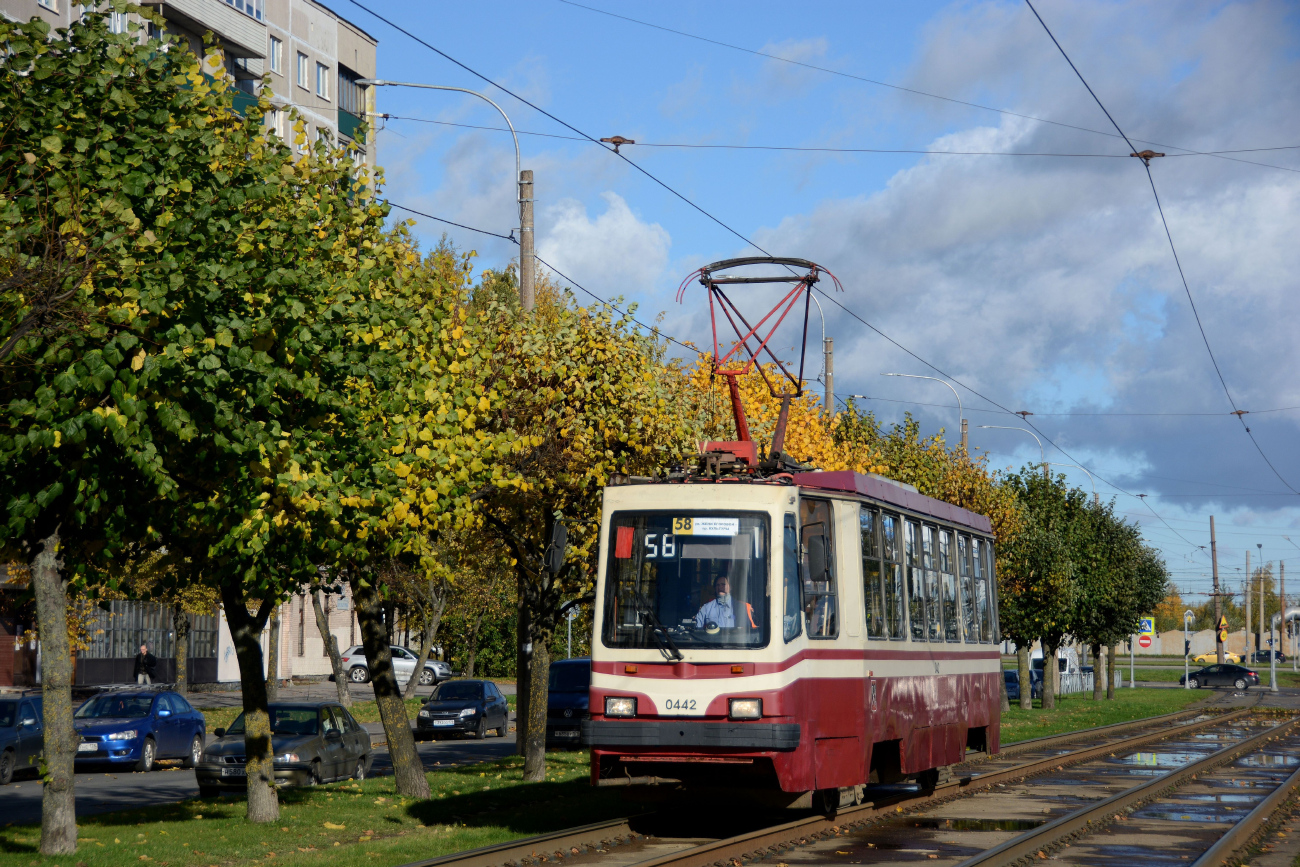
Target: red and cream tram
{"x": 814, "y": 633}
{"x": 799, "y": 633}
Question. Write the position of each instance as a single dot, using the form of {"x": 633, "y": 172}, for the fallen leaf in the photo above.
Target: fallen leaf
{"x": 334, "y": 827}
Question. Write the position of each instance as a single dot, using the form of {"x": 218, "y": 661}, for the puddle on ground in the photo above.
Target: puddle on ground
{"x": 1162, "y": 759}
{"x": 1267, "y": 760}
{"x": 979, "y": 824}
{"x": 1126, "y": 856}
{"x": 1192, "y": 812}
{"x": 1217, "y": 799}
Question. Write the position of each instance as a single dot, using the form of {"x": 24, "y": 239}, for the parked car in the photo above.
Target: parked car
{"x": 137, "y": 728}
{"x": 1263, "y": 656}
{"x": 314, "y": 742}
{"x": 22, "y": 735}
{"x": 566, "y": 701}
{"x": 1237, "y": 676}
{"x": 404, "y": 660}
{"x": 471, "y": 707}
{"x": 1011, "y": 677}
{"x": 1210, "y": 658}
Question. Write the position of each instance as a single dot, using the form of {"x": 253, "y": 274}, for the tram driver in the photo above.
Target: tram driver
{"x": 720, "y": 611}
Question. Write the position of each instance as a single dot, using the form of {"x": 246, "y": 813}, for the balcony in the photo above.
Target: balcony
{"x": 239, "y": 34}
{"x": 348, "y": 123}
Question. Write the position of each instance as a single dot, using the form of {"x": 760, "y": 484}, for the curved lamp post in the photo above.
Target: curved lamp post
{"x": 961, "y": 415}
{"x": 1041, "y": 452}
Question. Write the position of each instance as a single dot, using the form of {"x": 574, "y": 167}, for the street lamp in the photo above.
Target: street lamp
{"x": 828, "y": 369}
{"x": 961, "y": 416}
{"x": 1041, "y": 452}
{"x": 1095, "y": 499}
{"x": 523, "y": 184}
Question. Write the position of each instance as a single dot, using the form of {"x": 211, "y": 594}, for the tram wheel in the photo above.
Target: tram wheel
{"x": 826, "y": 801}
{"x": 927, "y": 780}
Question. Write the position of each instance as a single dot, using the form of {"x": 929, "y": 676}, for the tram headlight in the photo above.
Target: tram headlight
{"x": 620, "y": 706}
{"x": 745, "y": 708}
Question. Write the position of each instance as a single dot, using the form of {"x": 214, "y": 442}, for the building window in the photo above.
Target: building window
{"x": 248, "y": 7}
{"x": 117, "y": 22}
{"x": 51, "y": 5}
{"x": 322, "y": 81}
{"x": 277, "y": 56}
{"x": 302, "y": 70}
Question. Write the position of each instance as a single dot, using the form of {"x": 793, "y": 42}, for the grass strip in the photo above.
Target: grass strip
{"x": 342, "y": 824}
{"x": 1075, "y": 712}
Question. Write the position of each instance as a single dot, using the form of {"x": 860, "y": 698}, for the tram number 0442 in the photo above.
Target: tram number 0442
{"x": 680, "y": 704}
{"x": 660, "y": 545}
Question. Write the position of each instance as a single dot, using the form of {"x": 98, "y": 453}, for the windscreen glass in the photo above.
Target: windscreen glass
{"x": 465, "y": 690}
{"x": 115, "y": 707}
{"x": 570, "y": 678}
{"x": 678, "y": 580}
{"x": 284, "y": 721}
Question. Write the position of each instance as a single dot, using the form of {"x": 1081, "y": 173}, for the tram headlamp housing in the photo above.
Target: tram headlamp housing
{"x": 745, "y": 708}
{"x": 618, "y": 705}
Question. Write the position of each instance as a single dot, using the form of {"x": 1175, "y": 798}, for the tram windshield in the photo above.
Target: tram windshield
{"x": 681, "y": 579}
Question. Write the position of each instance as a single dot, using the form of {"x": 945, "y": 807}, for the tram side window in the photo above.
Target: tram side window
{"x": 915, "y": 581}
{"x": 978, "y": 548}
{"x": 989, "y": 614}
{"x": 951, "y": 622}
{"x": 819, "y": 569}
{"x": 873, "y": 592}
{"x": 933, "y": 601}
{"x": 892, "y": 564}
{"x": 792, "y": 616}
{"x": 967, "y": 590}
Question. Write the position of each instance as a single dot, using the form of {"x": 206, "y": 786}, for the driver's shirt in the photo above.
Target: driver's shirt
{"x": 720, "y": 612}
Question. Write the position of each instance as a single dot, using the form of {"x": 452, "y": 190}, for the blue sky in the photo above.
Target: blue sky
{"x": 1045, "y": 283}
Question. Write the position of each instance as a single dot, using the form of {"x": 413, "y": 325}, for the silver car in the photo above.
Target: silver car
{"x": 404, "y": 660}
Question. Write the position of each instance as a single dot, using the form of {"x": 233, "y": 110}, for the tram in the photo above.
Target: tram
{"x": 766, "y": 627}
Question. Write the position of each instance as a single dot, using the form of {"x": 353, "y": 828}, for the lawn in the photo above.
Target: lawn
{"x": 341, "y": 824}
{"x": 1080, "y": 712}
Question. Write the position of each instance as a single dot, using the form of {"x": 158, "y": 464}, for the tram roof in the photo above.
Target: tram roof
{"x": 887, "y": 491}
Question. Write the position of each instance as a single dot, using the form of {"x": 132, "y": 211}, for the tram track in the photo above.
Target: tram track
{"x": 617, "y": 843}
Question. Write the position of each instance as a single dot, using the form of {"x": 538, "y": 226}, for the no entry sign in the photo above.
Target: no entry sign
{"x": 1144, "y": 640}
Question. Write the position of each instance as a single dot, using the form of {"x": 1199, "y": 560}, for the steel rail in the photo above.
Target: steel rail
{"x": 561, "y": 843}
{"x": 770, "y": 841}
{"x": 1085, "y": 820}
{"x": 1241, "y": 833}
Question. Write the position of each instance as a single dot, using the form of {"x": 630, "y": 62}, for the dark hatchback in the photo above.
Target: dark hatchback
{"x": 1264, "y": 656}
{"x": 311, "y": 742}
{"x": 137, "y": 728}
{"x": 567, "y": 701}
{"x": 1236, "y": 676}
{"x": 22, "y": 735}
{"x": 472, "y": 707}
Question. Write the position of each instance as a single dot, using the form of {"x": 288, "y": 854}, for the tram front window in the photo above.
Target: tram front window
{"x": 678, "y": 580}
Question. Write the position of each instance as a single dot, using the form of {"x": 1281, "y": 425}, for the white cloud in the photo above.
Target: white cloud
{"x": 615, "y": 253}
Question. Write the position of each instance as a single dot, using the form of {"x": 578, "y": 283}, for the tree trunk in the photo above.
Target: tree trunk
{"x": 1050, "y": 666}
{"x": 473, "y": 648}
{"x": 539, "y": 670}
{"x": 273, "y": 658}
{"x": 1026, "y": 685}
{"x": 408, "y": 771}
{"x": 58, "y": 795}
{"x": 331, "y": 647}
{"x": 1098, "y": 673}
{"x": 1112, "y": 653}
{"x": 437, "y": 604}
{"x": 181, "y": 625}
{"x": 523, "y": 654}
{"x": 246, "y": 634}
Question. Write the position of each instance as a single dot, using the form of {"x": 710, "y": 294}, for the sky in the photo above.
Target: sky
{"x": 1043, "y": 283}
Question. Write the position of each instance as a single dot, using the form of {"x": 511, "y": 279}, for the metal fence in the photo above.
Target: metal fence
{"x": 118, "y": 632}
{"x": 1076, "y": 682}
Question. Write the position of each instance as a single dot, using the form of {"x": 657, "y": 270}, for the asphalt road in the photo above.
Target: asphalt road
{"x": 104, "y": 792}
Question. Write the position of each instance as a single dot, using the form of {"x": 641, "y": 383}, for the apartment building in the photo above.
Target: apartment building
{"x": 314, "y": 57}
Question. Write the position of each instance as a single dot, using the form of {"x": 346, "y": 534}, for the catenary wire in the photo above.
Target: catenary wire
{"x": 1165, "y": 223}
{"x": 723, "y": 225}
{"x": 1009, "y": 113}
{"x": 1081, "y": 414}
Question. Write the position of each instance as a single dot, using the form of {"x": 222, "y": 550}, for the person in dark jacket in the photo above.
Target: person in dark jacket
{"x": 145, "y": 665}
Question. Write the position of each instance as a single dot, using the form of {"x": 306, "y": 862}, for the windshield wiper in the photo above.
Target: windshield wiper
{"x": 663, "y": 640}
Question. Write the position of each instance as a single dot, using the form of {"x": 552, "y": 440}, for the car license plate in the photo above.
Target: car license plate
{"x": 444, "y": 722}
{"x": 233, "y": 772}
{"x": 87, "y": 747}
{"x": 566, "y": 734}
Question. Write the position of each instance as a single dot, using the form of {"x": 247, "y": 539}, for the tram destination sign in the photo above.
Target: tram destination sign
{"x": 706, "y": 526}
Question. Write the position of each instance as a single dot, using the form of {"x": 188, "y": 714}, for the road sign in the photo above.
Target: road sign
{"x": 1144, "y": 640}
{"x": 1223, "y": 625}
{"x": 1223, "y": 635}
{"x": 1147, "y": 626}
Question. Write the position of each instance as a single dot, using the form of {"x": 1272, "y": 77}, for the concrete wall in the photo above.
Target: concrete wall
{"x": 302, "y": 652}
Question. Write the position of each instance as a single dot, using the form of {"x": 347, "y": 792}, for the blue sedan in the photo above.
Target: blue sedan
{"x": 138, "y": 728}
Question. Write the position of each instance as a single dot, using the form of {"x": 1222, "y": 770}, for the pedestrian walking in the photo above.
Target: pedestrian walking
{"x": 146, "y": 665}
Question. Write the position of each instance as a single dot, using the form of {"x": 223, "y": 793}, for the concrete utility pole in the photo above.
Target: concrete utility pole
{"x": 1218, "y": 599}
{"x": 527, "y": 262}
{"x": 828, "y": 350}
{"x": 1250, "y": 624}
{"x": 1259, "y": 637}
{"x": 965, "y": 445}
